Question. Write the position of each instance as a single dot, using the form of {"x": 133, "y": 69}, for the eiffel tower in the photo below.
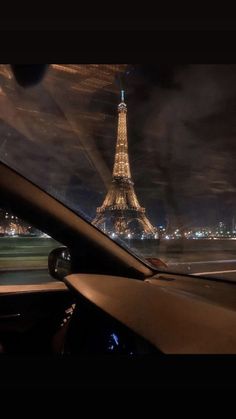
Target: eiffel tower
{"x": 121, "y": 214}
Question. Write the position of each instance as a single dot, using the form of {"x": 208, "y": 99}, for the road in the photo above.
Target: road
{"x": 24, "y": 260}
{"x": 25, "y": 252}
{"x": 223, "y": 268}
{"x": 220, "y": 269}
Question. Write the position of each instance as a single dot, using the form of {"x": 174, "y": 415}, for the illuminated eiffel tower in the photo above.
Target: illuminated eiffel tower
{"x": 121, "y": 214}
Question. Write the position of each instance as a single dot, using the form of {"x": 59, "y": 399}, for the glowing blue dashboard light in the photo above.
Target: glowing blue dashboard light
{"x": 115, "y": 337}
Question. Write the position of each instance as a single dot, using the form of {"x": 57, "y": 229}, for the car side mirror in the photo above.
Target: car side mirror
{"x": 59, "y": 263}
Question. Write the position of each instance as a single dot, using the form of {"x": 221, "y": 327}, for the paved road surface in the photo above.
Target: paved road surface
{"x": 222, "y": 268}
{"x": 24, "y": 260}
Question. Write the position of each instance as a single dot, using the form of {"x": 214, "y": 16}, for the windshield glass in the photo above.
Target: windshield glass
{"x": 145, "y": 153}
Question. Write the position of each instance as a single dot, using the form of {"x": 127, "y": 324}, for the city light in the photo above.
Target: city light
{"x": 12, "y": 226}
{"x": 219, "y": 231}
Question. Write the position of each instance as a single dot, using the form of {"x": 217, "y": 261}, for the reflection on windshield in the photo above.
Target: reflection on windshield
{"x": 157, "y": 175}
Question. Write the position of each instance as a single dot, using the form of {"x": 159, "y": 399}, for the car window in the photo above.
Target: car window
{"x": 144, "y": 153}
{"x": 24, "y": 251}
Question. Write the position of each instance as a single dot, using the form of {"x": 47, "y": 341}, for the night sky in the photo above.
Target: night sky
{"x": 181, "y": 132}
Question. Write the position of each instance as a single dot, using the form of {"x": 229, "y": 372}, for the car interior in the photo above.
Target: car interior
{"x": 32, "y": 316}
{"x": 109, "y": 301}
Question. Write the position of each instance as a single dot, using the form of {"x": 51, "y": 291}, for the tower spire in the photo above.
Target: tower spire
{"x": 121, "y": 164}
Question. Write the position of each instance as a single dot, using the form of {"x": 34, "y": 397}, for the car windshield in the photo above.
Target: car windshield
{"x": 144, "y": 153}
